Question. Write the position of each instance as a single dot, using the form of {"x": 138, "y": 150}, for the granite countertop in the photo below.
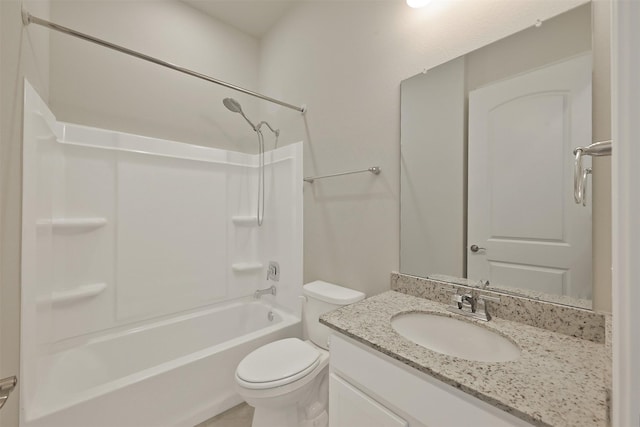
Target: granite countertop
{"x": 557, "y": 381}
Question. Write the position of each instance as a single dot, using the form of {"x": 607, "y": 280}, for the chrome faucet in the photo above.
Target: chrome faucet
{"x": 270, "y": 290}
{"x": 471, "y": 303}
{"x": 469, "y": 299}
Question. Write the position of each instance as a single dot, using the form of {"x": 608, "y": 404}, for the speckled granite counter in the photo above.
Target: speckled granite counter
{"x": 557, "y": 381}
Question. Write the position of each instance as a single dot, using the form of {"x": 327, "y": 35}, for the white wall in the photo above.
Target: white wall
{"x": 23, "y": 53}
{"x": 345, "y": 60}
{"x": 626, "y": 209}
{"x": 107, "y": 89}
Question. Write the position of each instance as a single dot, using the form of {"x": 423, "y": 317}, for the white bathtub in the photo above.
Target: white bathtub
{"x": 174, "y": 372}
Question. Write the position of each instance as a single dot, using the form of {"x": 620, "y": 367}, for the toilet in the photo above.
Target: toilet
{"x": 286, "y": 381}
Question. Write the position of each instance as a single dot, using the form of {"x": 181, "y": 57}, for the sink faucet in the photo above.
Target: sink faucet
{"x": 471, "y": 304}
{"x": 270, "y": 290}
{"x": 469, "y": 299}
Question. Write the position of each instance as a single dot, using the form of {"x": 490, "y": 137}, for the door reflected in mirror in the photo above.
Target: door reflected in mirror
{"x": 487, "y": 164}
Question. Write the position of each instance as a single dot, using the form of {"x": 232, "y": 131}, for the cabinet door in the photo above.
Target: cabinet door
{"x": 420, "y": 398}
{"x": 349, "y": 407}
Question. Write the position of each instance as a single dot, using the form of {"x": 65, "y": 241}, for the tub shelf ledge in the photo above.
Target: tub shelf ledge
{"x": 76, "y": 294}
{"x": 246, "y": 267}
{"x": 245, "y": 220}
{"x": 72, "y": 224}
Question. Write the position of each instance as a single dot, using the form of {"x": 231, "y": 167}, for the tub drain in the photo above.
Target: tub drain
{"x": 270, "y": 316}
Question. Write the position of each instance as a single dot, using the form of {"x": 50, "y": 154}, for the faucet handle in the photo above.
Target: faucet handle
{"x": 482, "y": 299}
{"x": 488, "y": 298}
{"x": 273, "y": 271}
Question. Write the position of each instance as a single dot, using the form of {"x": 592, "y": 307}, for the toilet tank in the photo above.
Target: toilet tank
{"x": 322, "y": 297}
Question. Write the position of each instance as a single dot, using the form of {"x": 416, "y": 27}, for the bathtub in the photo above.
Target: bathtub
{"x": 172, "y": 372}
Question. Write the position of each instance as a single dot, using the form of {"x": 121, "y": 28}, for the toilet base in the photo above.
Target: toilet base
{"x": 302, "y": 403}
{"x": 302, "y": 407}
{"x": 291, "y": 417}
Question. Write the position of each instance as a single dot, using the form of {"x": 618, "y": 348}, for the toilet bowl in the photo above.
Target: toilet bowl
{"x": 280, "y": 395}
{"x": 286, "y": 381}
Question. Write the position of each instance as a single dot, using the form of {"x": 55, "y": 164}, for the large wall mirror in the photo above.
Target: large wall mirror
{"x": 487, "y": 164}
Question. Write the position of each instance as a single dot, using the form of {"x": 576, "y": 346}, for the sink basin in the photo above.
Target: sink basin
{"x": 455, "y": 337}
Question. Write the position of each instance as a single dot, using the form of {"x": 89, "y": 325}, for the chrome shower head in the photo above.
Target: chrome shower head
{"x": 235, "y": 107}
{"x": 232, "y": 105}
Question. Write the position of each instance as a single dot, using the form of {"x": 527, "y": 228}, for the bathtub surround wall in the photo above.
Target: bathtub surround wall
{"x": 24, "y": 53}
{"x": 346, "y": 60}
{"x": 126, "y": 235}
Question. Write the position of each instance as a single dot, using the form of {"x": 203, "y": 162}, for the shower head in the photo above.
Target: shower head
{"x": 232, "y": 105}
{"x": 235, "y": 107}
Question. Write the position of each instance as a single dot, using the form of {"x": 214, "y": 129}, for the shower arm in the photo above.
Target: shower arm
{"x": 254, "y": 127}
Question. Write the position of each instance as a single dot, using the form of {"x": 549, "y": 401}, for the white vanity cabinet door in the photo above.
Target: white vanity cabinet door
{"x": 417, "y": 397}
{"x": 349, "y": 407}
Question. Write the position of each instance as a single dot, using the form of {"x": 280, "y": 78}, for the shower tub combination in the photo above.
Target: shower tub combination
{"x": 175, "y": 372}
{"x": 140, "y": 259}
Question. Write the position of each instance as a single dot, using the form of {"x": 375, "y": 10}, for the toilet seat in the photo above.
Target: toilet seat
{"x": 276, "y": 364}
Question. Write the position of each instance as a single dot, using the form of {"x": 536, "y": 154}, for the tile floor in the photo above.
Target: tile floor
{"x": 238, "y": 416}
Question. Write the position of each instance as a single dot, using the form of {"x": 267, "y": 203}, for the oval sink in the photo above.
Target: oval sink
{"x": 455, "y": 337}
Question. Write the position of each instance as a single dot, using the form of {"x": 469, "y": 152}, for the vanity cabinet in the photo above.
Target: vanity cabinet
{"x": 350, "y": 407}
{"x": 368, "y": 388}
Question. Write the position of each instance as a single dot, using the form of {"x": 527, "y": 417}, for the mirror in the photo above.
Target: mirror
{"x": 487, "y": 165}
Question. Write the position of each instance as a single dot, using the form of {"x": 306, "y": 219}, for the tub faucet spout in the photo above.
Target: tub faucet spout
{"x": 270, "y": 290}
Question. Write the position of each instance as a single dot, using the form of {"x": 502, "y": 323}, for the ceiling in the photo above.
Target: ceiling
{"x": 254, "y": 17}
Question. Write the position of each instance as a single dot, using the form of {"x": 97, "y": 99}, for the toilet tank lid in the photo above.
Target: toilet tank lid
{"x": 333, "y": 294}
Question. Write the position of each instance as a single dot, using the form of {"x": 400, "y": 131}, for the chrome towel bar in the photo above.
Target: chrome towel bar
{"x": 580, "y": 174}
{"x": 373, "y": 169}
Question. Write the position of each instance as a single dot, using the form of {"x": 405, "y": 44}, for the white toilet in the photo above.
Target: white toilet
{"x": 286, "y": 381}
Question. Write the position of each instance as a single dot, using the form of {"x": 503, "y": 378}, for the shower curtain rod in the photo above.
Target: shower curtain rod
{"x": 27, "y": 19}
